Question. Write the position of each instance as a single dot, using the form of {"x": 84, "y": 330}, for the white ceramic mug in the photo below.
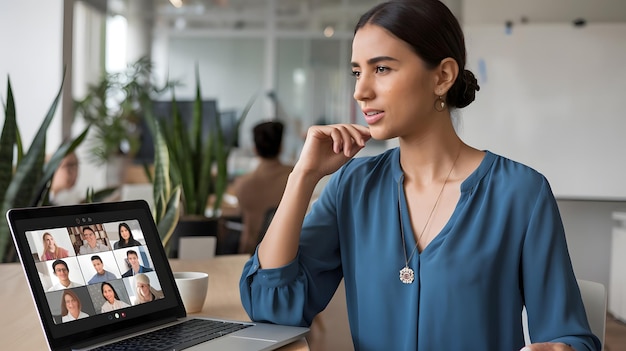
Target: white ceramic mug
{"x": 193, "y": 288}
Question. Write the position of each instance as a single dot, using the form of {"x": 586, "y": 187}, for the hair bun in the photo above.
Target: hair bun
{"x": 470, "y": 81}
{"x": 463, "y": 92}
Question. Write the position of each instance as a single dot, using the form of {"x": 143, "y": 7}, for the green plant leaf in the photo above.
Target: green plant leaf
{"x": 167, "y": 224}
{"x": 197, "y": 160}
{"x": 21, "y": 187}
{"x": 8, "y": 139}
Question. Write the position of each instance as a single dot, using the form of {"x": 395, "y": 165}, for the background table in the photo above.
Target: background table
{"x": 20, "y": 325}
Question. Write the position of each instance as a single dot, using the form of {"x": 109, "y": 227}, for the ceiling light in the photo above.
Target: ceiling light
{"x": 176, "y": 3}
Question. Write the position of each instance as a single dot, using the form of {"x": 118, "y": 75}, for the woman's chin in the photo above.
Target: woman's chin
{"x": 381, "y": 134}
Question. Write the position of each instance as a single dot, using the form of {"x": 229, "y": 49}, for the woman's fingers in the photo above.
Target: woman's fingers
{"x": 328, "y": 147}
{"x": 348, "y": 138}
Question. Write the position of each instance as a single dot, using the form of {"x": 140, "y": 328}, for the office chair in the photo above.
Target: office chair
{"x": 196, "y": 247}
{"x": 594, "y": 298}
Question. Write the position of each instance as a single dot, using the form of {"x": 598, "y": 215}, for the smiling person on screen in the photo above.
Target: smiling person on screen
{"x": 62, "y": 272}
{"x": 51, "y": 250}
{"x": 91, "y": 245}
{"x": 113, "y": 301}
{"x": 135, "y": 267}
{"x": 71, "y": 307}
{"x": 101, "y": 275}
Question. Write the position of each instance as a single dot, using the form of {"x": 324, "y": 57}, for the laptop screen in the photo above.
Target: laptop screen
{"x": 94, "y": 270}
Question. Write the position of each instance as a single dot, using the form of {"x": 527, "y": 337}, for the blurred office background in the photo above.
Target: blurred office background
{"x": 294, "y": 53}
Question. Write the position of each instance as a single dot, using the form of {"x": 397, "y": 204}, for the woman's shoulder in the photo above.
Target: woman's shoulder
{"x": 509, "y": 176}
{"x": 514, "y": 170}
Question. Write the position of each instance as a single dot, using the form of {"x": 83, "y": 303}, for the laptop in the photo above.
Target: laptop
{"x": 92, "y": 292}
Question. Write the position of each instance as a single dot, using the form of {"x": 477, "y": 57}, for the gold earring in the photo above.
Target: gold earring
{"x": 440, "y": 105}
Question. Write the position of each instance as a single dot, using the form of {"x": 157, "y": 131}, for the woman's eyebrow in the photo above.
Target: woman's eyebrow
{"x": 374, "y": 60}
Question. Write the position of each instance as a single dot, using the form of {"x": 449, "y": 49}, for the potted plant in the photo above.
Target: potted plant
{"x": 25, "y": 180}
{"x": 113, "y": 107}
{"x": 166, "y": 210}
{"x": 197, "y": 164}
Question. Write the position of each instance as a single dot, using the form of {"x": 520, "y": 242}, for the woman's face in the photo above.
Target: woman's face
{"x": 393, "y": 87}
{"x": 71, "y": 304}
{"x": 124, "y": 233}
{"x": 49, "y": 240}
{"x": 144, "y": 289}
{"x": 108, "y": 294}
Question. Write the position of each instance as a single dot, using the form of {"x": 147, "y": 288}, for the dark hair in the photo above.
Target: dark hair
{"x": 131, "y": 252}
{"x": 268, "y": 137}
{"x": 130, "y": 233}
{"x": 433, "y": 32}
{"x": 96, "y": 257}
{"x": 112, "y": 288}
{"x": 58, "y": 262}
{"x": 88, "y": 228}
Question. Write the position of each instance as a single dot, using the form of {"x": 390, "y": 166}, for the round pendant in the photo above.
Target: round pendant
{"x": 407, "y": 275}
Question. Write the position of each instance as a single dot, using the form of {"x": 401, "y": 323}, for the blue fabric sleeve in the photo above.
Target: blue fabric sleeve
{"x": 550, "y": 290}
{"x": 295, "y": 293}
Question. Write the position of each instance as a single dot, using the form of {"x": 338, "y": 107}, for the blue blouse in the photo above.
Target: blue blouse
{"x": 504, "y": 247}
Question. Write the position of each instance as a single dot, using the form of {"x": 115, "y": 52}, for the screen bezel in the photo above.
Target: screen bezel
{"x": 100, "y": 326}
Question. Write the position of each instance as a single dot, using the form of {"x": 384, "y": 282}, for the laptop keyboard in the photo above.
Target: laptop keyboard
{"x": 177, "y": 337}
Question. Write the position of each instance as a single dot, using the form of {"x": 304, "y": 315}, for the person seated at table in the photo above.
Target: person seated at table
{"x": 101, "y": 275}
{"x": 71, "y": 307}
{"x": 113, "y": 301}
{"x": 62, "y": 271}
{"x": 126, "y": 237}
{"x": 91, "y": 245}
{"x": 261, "y": 190}
{"x": 51, "y": 250}
{"x": 135, "y": 267}
{"x": 145, "y": 291}
{"x": 62, "y": 191}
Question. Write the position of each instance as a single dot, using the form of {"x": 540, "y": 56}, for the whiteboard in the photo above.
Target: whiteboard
{"x": 552, "y": 97}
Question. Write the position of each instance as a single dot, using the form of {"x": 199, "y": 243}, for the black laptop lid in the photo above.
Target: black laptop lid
{"x": 111, "y": 259}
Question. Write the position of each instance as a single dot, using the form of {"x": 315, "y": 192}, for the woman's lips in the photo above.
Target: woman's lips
{"x": 373, "y": 116}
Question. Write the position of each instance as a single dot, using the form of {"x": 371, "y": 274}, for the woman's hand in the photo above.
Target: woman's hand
{"x": 329, "y": 147}
{"x": 548, "y": 346}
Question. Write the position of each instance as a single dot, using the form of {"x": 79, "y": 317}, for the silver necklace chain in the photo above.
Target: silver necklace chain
{"x": 407, "y": 275}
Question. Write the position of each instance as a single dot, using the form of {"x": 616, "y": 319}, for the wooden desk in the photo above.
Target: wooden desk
{"x": 20, "y": 325}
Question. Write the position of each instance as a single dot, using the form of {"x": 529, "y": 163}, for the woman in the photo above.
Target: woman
{"x": 71, "y": 307}
{"x": 51, "y": 250}
{"x": 113, "y": 301}
{"x": 145, "y": 292}
{"x": 126, "y": 237}
{"x": 440, "y": 245}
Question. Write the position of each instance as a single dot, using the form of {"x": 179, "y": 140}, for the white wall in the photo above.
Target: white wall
{"x": 588, "y": 228}
{"x": 542, "y": 11}
{"x": 552, "y": 97}
{"x": 31, "y": 46}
